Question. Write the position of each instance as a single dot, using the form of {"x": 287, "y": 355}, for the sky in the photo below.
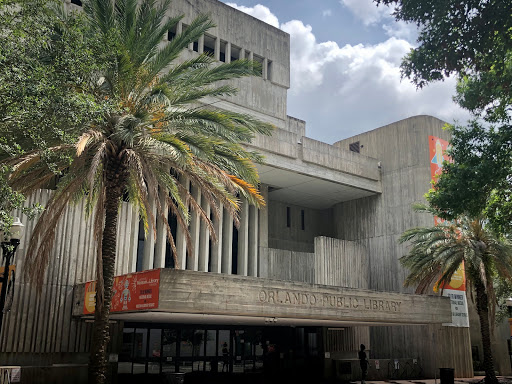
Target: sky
{"x": 345, "y": 66}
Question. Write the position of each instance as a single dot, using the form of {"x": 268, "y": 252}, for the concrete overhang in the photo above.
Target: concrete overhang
{"x": 209, "y": 298}
{"x": 313, "y": 174}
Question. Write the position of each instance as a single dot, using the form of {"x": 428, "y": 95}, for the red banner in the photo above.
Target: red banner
{"x": 133, "y": 292}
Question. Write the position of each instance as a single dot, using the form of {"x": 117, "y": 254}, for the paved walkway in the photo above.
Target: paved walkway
{"x": 472, "y": 380}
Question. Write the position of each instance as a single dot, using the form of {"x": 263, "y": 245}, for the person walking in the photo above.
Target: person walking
{"x": 363, "y": 363}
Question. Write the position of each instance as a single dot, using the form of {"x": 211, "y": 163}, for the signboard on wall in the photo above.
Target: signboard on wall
{"x": 132, "y": 292}
{"x": 456, "y": 290}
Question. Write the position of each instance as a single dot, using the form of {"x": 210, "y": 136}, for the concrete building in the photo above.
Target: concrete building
{"x": 294, "y": 290}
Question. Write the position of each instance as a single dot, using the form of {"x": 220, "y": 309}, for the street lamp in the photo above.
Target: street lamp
{"x": 10, "y": 242}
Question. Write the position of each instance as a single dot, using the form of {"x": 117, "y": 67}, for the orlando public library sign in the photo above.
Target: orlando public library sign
{"x": 186, "y": 292}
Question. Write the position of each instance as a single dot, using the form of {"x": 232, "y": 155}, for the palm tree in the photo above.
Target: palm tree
{"x": 440, "y": 250}
{"x": 152, "y": 131}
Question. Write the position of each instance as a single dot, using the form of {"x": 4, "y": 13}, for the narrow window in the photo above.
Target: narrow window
{"x": 173, "y": 224}
{"x": 288, "y": 220}
{"x": 235, "y": 52}
{"x": 259, "y": 60}
{"x": 269, "y": 70}
{"x": 209, "y": 45}
{"x": 140, "y": 246}
{"x": 302, "y": 223}
{"x": 171, "y": 33}
{"x": 76, "y": 2}
{"x": 355, "y": 147}
{"x": 222, "y": 54}
{"x": 234, "y": 250}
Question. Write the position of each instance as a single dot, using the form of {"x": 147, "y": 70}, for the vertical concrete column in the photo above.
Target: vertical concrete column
{"x": 243, "y": 240}
{"x": 179, "y": 27}
{"x": 253, "y": 241}
{"x": 161, "y": 233}
{"x": 193, "y": 254}
{"x": 242, "y": 53}
{"x": 181, "y": 241}
{"x": 200, "y": 44}
{"x": 263, "y": 234}
{"x": 250, "y": 56}
{"x": 204, "y": 239}
{"x": 217, "y": 48}
{"x": 264, "y": 69}
{"x": 149, "y": 243}
{"x": 228, "y": 52}
{"x": 216, "y": 251}
{"x": 227, "y": 243}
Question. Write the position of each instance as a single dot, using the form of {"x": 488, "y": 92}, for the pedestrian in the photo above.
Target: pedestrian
{"x": 225, "y": 357}
{"x": 363, "y": 362}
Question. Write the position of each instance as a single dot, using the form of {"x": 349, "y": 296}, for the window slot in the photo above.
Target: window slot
{"x": 288, "y": 218}
{"x": 209, "y": 45}
{"x": 235, "y": 52}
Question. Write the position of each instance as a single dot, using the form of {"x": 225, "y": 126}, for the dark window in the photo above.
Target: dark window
{"x": 173, "y": 224}
{"x": 76, "y": 2}
{"x": 222, "y": 55}
{"x": 302, "y": 223}
{"x": 269, "y": 70}
{"x": 195, "y": 46}
{"x": 209, "y": 45}
{"x": 288, "y": 219}
{"x": 235, "y": 52}
{"x": 474, "y": 353}
{"x": 355, "y": 147}
{"x": 234, "y": 261}
{"x": 140, "y": 246}
{"x": 172, "y": 33}
{"x": 259, "y": 60}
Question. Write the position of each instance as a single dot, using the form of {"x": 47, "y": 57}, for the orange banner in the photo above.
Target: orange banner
{"x": 137, "y": 291}
{"x": 12, "y": 268}
{"x": 437, "y": 148}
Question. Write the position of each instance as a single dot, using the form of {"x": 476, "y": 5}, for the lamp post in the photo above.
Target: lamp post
{"x": 9, "y": 242}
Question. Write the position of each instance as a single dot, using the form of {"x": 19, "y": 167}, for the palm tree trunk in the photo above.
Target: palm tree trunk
{"x": 100, "y": 338}
{"x": 483, "y": 313}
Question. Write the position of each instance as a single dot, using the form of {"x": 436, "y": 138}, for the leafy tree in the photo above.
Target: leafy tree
{"x": 479, "y": 178}
{"x": 42, "y": 65}
{"x": 441, "y": 249}
{"x": 153, "y": 131}
{"x": 471, "y": 40}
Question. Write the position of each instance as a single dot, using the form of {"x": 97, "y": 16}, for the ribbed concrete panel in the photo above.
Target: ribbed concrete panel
{"x": 340, "y": 263}
{"x": 41, "y": 322}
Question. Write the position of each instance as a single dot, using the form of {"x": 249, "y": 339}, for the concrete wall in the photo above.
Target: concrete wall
{"x": 378, "y": 221}
{"x": 294, "y": 238}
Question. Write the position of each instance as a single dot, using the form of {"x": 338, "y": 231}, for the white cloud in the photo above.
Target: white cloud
{"x": 258, "y": 11}
{"x": 401, "y": 30}
{"x": 342, "y": 91}
{"x": 326, "y": 13}
{"x": 366, "y": 10}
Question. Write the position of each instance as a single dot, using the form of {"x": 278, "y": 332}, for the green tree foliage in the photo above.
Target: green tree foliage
{"x": 471, "y": 40}
{"x": 152, "y": 133}
{"x": 42, "y": 65}
{"x": 440, "y": 250}
{"x": 478, "y": 180}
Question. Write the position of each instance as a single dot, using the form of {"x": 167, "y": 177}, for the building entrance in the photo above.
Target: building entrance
{"x": 210, "y": 353}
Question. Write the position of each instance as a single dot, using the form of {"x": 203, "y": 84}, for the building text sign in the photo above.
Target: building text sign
{"x": 132, "y": 292}
{"x": 273, "y": 296}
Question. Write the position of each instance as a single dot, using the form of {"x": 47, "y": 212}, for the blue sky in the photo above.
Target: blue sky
{"x": 345, "y": 58}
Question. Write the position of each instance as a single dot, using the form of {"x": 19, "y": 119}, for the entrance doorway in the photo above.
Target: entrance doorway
{"x": 219, "y": 353}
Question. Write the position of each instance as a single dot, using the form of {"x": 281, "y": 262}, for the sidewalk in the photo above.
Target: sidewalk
{"x": 471, "y": 380}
